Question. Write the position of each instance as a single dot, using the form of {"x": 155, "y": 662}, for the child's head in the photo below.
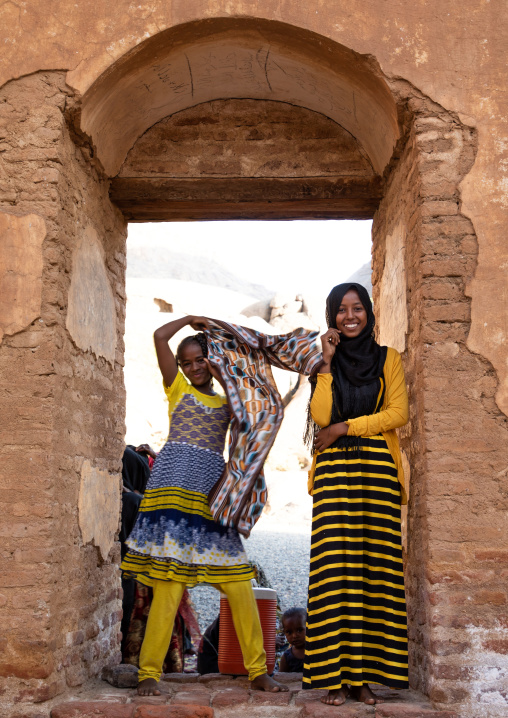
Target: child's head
{"x": 293, "y": 623}
{"x": 190, "y": 357}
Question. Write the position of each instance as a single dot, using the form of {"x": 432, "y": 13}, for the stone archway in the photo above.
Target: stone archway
{"x": 227, "y": 58}
{"x": 410, "y": 156}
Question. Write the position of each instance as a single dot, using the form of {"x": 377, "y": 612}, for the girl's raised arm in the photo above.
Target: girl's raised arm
{"x": 161, "y": 337}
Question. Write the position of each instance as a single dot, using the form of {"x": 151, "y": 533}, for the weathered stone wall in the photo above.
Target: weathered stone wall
{"x": 456, "y": 437}
{"x": 62, "y": 406}
{"x": 395, "y": 238}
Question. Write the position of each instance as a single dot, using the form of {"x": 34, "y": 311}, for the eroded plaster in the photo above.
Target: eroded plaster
{"x": 393, "y": 323}
{"x": 441, "y": 50}
{"x": 20, "y": 271}
{"x": 91, "y": 313}
{"x": 485, "y": 202}
{"x": 98, "y": 507}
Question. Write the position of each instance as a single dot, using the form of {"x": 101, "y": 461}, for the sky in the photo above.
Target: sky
{"x": 301, "y": 255}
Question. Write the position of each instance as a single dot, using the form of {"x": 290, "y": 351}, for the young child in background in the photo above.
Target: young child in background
{"x": 293, "y": 623}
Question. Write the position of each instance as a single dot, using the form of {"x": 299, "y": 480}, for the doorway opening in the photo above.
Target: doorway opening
{"x": 272, "y": 277}
{"x": 282, "y": 125}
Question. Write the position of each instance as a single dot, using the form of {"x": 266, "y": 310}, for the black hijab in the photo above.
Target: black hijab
{"x": 356, "y": 367}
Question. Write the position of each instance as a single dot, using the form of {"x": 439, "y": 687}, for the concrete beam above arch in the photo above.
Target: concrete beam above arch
{"x": 238, "y": 58}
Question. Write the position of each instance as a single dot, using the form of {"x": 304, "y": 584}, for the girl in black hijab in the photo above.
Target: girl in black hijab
{"x": 356, "y": 631}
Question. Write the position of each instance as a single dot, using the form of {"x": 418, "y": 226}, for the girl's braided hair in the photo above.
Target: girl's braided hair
{"x": 199, "y": 338}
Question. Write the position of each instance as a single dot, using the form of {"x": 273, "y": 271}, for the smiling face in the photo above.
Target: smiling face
{"x": 352, "y": 316}
{"x": 294, "y": 630}
{"x": 193, "y": 365}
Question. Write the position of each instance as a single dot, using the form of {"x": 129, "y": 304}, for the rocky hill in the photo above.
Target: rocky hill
{"x": 144, "y": 262}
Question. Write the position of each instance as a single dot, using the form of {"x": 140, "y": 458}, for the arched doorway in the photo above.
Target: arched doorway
{"x": 401, "y": 159}
{"x": 406, "y": 158}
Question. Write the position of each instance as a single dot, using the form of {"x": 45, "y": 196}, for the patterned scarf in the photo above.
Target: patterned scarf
{"x": 243, "y": 358}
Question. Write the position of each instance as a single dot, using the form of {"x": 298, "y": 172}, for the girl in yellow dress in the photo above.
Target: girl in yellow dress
{"x": 176, "y": 542}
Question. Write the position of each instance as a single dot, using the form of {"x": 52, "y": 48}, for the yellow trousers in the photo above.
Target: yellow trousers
{"x": 159, "y": 627}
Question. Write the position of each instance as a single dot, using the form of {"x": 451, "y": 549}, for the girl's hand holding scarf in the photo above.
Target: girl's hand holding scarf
{"x": 327, "y": 436}
{"x": 199, "y": 324}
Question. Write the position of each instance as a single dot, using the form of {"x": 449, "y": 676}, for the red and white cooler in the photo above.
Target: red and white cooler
{"x": 230, "y": 654}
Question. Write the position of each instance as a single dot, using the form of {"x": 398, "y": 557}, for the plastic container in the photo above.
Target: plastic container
{"x": 230, "y": 654}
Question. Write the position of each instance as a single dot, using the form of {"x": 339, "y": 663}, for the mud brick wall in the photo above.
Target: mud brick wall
{"x": 62, "y": 409}
{"x": 246, "y": 138}
{"x": 228, "y": 157}
{"x": 398, "y": 215}
{"x": 455, "y": 581}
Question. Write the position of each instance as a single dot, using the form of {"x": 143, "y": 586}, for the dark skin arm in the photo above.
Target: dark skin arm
{"x": 325, "y": 438}
{"x": 283, "y": 666}
{"x": 146, "y": 449}
{"x": 328, "y": 435}
{"x": 161, "y": 337}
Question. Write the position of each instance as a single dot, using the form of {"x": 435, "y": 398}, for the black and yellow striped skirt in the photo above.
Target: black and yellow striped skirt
{"x": 357, "y": 624}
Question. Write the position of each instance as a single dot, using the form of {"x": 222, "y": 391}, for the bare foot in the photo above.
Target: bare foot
{"x": 265, "y": 683}
{"x": 363, "y": 694}
{"x": 148, "y": 687}
{"x": 336, "y": 697}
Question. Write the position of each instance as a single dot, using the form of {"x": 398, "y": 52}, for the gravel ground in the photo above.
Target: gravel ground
{"x": 285, "y": 560}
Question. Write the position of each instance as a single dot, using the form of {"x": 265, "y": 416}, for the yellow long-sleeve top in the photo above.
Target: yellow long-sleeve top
{"x": 393, "y": 413}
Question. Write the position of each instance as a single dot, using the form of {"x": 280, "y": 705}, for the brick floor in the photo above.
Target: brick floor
{"x": 217, "y": 696}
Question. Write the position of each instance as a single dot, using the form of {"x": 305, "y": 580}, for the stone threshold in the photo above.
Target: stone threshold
{"x": 189, "y": 695}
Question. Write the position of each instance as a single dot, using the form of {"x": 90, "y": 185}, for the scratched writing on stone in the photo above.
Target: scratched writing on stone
{"x": 331, "y": 99}
{"x": 223, "y": 62}
{"x": 247, "y": 71}
{"x": 212, "y": 68}
{"x": 206, "y": 76}
{"x": 173, "y": 76}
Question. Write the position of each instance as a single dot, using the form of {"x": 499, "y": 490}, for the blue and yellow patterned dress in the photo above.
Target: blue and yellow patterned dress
{"x": 175, "y": 537}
